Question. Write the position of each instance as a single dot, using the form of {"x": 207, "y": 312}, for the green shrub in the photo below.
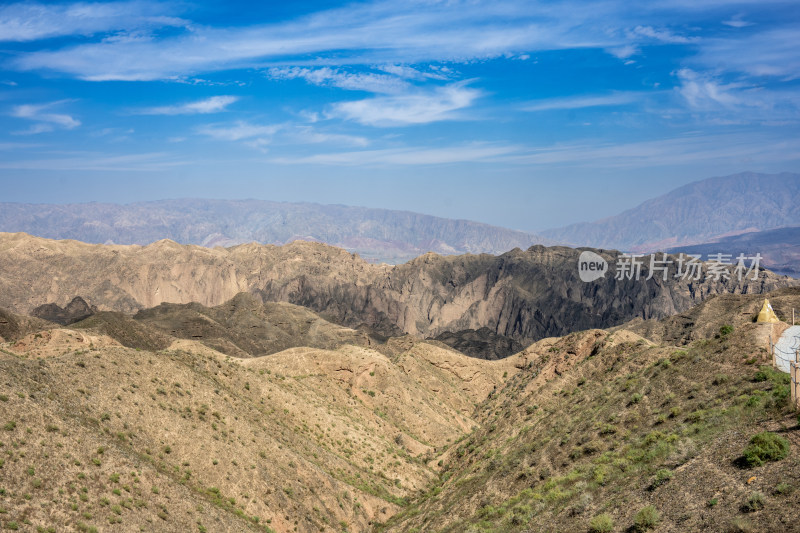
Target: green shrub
{"x": 647, "y": 518}
{"x": 767, "y": 373}
{"x": 783, "y": 488}
{"x": 85, "y": 528}
{"x": 741, "y": 525}
{"x": 764, "y": 447}
{"x": 725, "y": 330}
{"x": 752, "y": 401}
{"x": 754, "y": 503}
{"x": 602, "y": 523}
{"x": 608, "y": 429}
{"x": 662, "y": 476}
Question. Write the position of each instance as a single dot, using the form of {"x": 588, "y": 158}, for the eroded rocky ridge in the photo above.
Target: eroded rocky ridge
{"x": 523, "y": 295}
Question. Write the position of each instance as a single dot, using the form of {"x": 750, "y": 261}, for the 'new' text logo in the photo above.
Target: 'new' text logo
{"x": 591, "y": 266}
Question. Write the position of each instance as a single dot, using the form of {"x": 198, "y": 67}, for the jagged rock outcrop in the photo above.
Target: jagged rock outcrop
{"x": 246, "y": 327}
{"x": 483, "y": 343}
{"x": 523, "y": 295}
{"x": 74, "y": 311}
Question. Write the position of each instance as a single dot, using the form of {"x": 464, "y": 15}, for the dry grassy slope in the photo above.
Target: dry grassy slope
{"x": 58, "y": 341}
{"x": 588, "y": 425}
{"x": 296, "y": 439}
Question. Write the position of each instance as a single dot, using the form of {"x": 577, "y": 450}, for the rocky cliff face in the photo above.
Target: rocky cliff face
{"x": 522, "y": 295}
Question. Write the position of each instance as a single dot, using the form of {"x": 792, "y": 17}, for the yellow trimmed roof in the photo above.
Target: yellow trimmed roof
{"x": 767, "y": 314}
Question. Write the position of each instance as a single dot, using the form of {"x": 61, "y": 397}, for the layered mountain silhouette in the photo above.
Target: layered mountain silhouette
{"x": 780, "y": 248}
{"x": 701, "y": 212}
{"x": 696, "y": 213}
{"x": 375, "y": 234}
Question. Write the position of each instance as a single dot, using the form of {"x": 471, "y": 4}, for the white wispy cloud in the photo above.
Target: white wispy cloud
{"x": 381, "y": 32}
{"x": 372, "y": 33}
{"x": 44, "y": 119}
{"x": 772, "y": 53}
{"x": 737, "y": 21}
{"x": 736, "y": 148}
{"x": 261, "y": 136}
{"x": 215, "y": 104}
{"x": 623, "y": 52}
{"x": 702, "y": 91}
{"x": 307, "y": 134}
{"x": 326, "y": 76}
{"x": 89, "y": 161}
{"x": 410, "y": 73}
{"x": 705, "y": 92}
{"x": 663, "y": 35}
{"x": 578, "y": 102}
{"x": 421, "y": 107}
{"x": 411, "y": 156}
{"x": 28, "y": 21}
{"x": 735, "y": 102}
{"x": 238, "y": 131}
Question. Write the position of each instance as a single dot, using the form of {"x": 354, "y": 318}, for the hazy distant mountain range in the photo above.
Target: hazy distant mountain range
{"x": 713, "y": 211}
{"x": 696, "y": 213}
{"x": 375, "y": 234}
{"x": 780, "y": 248}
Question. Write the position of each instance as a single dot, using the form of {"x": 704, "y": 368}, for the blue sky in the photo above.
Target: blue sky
{"x": 525, "y": 114}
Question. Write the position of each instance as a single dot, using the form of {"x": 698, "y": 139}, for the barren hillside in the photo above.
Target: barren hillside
{"x": 97, "y": 435}
{"x": 600, "y": 430}
{"x": 607, "y": 431}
